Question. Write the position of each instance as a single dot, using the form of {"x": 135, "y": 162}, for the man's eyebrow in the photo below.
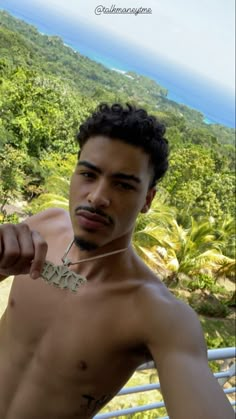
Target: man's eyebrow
{"x": 89, "y": 166}
{"x": 118, "y": 175}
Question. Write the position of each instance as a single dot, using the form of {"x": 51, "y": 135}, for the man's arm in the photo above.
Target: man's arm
{"x": 178, "y": 348}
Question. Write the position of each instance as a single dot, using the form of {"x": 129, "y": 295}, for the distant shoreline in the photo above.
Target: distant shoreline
{"x": 216, "y": 109}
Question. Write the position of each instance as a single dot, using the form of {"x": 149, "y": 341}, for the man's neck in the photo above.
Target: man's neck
{"x": 101, "y": 262}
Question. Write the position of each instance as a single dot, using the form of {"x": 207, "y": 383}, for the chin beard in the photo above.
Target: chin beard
{"x": 83, "y": 244}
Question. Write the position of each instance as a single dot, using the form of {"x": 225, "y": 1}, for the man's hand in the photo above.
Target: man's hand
{"x": 22, "y": 250}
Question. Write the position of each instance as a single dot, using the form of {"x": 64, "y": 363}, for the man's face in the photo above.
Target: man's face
{"x": 109, "y": 187}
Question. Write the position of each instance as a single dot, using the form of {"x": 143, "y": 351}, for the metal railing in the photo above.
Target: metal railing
{"x": 228, "y": 371}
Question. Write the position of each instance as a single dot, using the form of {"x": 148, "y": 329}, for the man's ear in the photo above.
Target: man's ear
{"x": 149, "y": 197}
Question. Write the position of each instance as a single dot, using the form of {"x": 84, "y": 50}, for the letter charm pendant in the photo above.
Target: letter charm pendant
{"x": 62, "y": 277}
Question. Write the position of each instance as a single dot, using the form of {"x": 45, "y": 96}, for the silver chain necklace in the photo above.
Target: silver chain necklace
{"x": 62, "y": 277}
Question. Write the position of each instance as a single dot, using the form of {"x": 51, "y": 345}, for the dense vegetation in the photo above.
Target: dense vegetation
{"x": 46, "y": 91}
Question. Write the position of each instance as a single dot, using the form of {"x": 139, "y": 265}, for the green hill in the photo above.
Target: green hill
{"x": 22, "y": 44}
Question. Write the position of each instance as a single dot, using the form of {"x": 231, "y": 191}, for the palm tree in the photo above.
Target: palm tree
{"x": 195, "y": 249}
{"x": 225, "y": 233}
{"x": 149, "y": 231}
{"x": 173, "y": 250}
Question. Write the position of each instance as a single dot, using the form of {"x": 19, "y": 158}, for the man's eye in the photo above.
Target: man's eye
{"x": 87, "y": 174}
{"x": 125, "y": 186}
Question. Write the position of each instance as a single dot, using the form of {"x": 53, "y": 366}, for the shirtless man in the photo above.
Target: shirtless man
{"x": 65, "y": 354}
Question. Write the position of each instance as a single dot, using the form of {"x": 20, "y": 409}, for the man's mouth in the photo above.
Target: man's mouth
{"x": 91, "y": 220}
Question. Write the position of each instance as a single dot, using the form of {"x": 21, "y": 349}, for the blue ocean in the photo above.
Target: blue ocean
{"x": 186, "y": 88}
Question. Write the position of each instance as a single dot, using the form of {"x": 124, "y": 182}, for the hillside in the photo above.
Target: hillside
{"x": 22, "y": 44}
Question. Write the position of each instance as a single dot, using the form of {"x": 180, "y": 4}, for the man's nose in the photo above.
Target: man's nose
{"x": 99, "y": 195}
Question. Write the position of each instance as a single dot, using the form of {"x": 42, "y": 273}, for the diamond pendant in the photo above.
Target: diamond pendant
{"x": 61, "y": 277}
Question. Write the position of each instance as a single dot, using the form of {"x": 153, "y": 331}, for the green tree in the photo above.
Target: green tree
{"x": 11, "y": 176}
{"x": 196, "y": 187}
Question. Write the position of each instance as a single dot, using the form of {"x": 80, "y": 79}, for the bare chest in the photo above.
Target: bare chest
{"x": 83, "y": 339}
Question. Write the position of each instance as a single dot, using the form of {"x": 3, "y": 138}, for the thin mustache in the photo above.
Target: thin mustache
{"x": 95, "y": 211}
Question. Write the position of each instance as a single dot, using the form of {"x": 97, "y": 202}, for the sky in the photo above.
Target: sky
{"x": 198, "y": 35}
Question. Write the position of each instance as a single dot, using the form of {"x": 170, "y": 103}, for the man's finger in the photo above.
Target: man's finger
{"x": 10, "y": 249}
{"x": 40, "y": 252}
{"x": 26, "y": 245}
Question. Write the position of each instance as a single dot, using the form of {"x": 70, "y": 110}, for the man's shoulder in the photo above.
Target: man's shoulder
{"x": 152, "y": 289}
{"x": 164, "y": 318}
{"x": 155, "y": 297}
{"x": 49, "y": 220}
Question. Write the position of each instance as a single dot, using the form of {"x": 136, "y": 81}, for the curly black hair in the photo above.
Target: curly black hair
{"x": 133, "y": 126}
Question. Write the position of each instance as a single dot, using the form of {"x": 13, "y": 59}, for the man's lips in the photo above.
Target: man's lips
{"x": 89, "y": 219}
